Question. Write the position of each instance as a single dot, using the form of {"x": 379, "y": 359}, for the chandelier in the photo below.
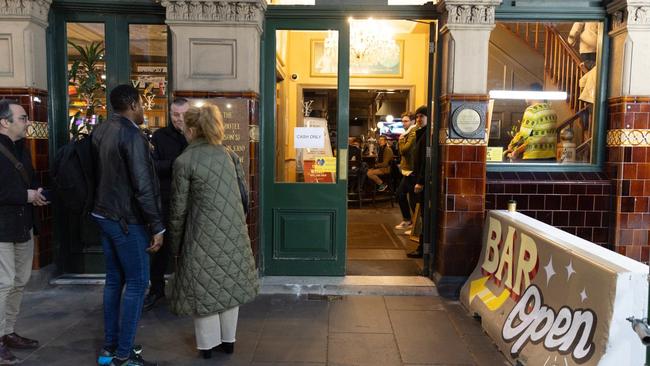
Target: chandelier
{"x": 371, "y": 44}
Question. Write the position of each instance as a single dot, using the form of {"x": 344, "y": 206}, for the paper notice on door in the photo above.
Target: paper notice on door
{"x": 325, "y": 165}
{"x": 309, "y": 137}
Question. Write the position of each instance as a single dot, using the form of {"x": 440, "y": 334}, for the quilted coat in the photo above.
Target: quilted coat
{"x": 208, "y": 233}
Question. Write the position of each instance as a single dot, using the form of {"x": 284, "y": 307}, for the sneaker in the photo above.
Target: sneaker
{"x": 382, "y": 187}
{"x": 6, "y": 357}
{"x": 134, "y": 360}
{"x": 403, "y": 225}
{"x": 107, "y": 355}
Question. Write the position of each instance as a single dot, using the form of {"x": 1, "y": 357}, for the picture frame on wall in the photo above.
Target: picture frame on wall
{"x": 324, "y": 63}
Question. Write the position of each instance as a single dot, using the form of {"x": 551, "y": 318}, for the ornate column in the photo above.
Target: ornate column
{"x": 216, "y": 59}
{"x": 23, "y": 77}
{"x": 465, "y": 33}
{"x": 628, "y": 135}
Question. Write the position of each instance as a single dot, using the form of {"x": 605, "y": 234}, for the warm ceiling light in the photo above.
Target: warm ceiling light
{"x": 527, "y": 94}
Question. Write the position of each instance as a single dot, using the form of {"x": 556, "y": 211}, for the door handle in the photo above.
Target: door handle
{"x": 343, "y": 164}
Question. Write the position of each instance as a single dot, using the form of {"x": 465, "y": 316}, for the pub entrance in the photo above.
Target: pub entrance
{"x": 324, "y": 90}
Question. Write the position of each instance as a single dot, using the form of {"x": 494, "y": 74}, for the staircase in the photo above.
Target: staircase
{"x": 562, "y": 65}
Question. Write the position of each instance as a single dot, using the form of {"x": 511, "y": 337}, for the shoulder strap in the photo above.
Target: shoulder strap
{"x": 18, "y": 165}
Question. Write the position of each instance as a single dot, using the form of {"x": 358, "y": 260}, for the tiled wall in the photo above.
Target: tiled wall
{"x": 462, "y": 198}
{"x": 578, "y": 203}
{"x": 628, "y": 165}
{"x": 35, "y": 103}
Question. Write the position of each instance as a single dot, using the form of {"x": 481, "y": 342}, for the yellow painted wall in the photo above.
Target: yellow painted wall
{"x": 298, "y": 62}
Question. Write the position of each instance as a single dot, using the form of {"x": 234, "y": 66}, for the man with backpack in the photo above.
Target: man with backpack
{"x": 168, "y": 143}
{"x": 127, "y": 209}
{"x": 18, "y": 196}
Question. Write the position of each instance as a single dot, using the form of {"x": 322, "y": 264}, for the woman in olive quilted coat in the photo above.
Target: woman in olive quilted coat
{"x": 215, "y": 270}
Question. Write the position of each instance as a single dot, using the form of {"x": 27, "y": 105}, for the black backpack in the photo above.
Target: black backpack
{"x": 73, "y": 176}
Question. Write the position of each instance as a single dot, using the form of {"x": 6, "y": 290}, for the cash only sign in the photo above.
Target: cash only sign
{"x": 549, "y": 298}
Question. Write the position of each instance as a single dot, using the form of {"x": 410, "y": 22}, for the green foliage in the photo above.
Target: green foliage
{"x": 85, "y": 75}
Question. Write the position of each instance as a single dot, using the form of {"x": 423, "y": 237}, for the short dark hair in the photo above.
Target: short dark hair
{"x": 180, "y": 101}
{"x": 123, "y": 96}
{"x": 536, "y": 87}
{"x": 422, "y": 110}
{"x": 5, "y": 109}
{"x": 410, "y": 115}
{"x": 383, "y": 137}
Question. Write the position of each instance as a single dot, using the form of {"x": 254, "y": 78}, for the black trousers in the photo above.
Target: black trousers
{"x": 406, "y": 196}
{"x": 158, "y": 267}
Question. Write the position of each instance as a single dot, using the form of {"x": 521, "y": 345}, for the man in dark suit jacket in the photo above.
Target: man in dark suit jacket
{"x": 168, "y": 143}
{"x": 18, "y": 196}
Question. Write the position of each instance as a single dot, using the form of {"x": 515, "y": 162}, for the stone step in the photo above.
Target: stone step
{"x": 311, "y": 285}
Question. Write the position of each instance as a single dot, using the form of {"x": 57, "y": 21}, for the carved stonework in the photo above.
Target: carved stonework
{"x": 629, "y": 13}
{"x": 476, "y": 12}
{"x": 470, "y": 14}
{"x": 226, "y": 11}
{"x": 638, "y": 15}
{"x": 444, "y": 139}
{"x": 36, "y": 9}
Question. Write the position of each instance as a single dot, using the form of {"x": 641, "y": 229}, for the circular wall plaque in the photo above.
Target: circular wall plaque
{"x": 468, "y": 121}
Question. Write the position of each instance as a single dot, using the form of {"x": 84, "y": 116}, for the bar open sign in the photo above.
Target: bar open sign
{"x": 309, "y": 137}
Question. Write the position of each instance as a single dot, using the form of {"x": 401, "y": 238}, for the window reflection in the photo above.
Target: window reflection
{"x": 86, "y": 77}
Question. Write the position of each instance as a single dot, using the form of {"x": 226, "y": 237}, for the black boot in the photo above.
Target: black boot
{"x": 226, "y": 347}
{"x": 416, "y": 253}
{"x": 206, "y": 353}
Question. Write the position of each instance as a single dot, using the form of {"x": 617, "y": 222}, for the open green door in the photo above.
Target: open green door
{"x": 304, "y": 157}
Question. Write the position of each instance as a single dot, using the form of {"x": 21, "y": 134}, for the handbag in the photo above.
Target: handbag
{"x": 241, "y": 181}
{"x": 18, "y": 165}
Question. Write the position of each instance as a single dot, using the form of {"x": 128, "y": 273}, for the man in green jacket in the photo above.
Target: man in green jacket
{"x": 406, "y": 145}
{"x": 384, "y": 157}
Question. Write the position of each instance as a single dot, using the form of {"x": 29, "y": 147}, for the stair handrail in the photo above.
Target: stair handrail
{"x": 569, "y": 121}
{"x": 568, "y": 48}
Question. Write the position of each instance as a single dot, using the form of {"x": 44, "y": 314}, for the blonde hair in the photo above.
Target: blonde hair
{"x": 207, "y": 122}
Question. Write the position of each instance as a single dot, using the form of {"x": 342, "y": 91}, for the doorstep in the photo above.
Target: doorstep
{"x": 349, "y": 285}
{"x": 310, "y": 285}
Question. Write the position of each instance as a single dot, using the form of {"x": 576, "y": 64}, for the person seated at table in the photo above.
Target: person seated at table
{"x": 355, "y": 163}
{"x": 382, "y": 166}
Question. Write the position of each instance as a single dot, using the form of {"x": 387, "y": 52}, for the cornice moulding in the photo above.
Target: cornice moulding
{"x": 36, "y": 10}
{"x": 215, "y": 11}
{"x": 469, "y": 12}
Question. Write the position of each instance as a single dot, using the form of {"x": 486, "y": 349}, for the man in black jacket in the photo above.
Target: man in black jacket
{"x": 18, "y": 196}
{"x": 168, "y": 143}
{"x": 419, "y": 166}
{"x": 127, "y": 209}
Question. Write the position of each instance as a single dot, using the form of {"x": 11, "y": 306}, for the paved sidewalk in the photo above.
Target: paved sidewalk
{"x": 274, "y": 330}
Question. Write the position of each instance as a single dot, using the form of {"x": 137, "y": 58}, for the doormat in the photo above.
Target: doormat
{"x": 407, "y": 267}
{"x": 363, "y": 235}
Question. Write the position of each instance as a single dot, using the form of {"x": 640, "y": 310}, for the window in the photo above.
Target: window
{"x": 543, "y": 83}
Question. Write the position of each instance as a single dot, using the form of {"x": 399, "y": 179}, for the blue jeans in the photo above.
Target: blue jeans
{"x": 127, "y": 267}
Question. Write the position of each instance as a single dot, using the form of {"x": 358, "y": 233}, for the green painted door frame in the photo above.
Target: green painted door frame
{"x": 304, "y": 226}
{"x": 77, "y": 245}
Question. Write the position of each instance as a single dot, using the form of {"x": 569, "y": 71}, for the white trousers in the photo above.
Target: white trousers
{"x": 213, "y": 329}
{"x": 15, "y": 270}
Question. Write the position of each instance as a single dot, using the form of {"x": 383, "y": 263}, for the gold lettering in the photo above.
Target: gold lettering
{"x": 525, "y": 264}
{"x": 506, "y": 258}
{"x": 491, "y": 261}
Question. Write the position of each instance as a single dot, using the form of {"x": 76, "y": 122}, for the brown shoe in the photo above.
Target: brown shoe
{"x": 6, "y": 357}
{"x": 13, "y": 340}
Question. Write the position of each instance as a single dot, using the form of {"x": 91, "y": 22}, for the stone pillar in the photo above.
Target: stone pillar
{"x": 23, "y": 77}
{"x": 216, "y": 58}
{"x": 628, "y": 134}
{"x": 465, "y": 33}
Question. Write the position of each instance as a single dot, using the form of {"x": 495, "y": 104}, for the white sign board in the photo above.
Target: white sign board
{"x": 309, "y": 137}
{"x": 547, "y": 297}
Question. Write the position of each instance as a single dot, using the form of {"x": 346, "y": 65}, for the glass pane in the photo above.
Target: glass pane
{"x": 560, "y": 61}
{"x": 86, "y": 76}
{"x": 148, "y": 50}
{"x": 306, "y": 117}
